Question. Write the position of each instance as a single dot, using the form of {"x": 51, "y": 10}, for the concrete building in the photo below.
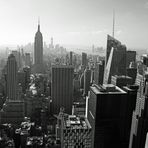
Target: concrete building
{"x": 99, "y": 73}
{"x": 87, "y": 79}
{"x": 62, "y": 88}
{"x": 84, "y": 60}
{"x": 13, "y": 109}
{"x": 139, "y": 124}
{"x": 75, "y": 132}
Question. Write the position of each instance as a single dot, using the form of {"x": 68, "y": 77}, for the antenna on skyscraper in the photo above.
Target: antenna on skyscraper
{"x": 113, "y": 22}
{"x": 38, "y": 23}
{"x": 38, "y": 20}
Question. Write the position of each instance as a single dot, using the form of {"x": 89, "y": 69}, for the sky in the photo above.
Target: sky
{"x": 75, "y": 22}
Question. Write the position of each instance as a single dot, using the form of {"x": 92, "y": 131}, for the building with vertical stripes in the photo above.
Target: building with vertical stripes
{"x": 62, "y": 88}
{"x": 107, "y": 114}
{"x": 13, "y": 108}
{"x": 11, "y": 78}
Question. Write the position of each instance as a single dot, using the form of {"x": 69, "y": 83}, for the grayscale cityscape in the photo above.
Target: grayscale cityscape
{"x": 74, "y": 74}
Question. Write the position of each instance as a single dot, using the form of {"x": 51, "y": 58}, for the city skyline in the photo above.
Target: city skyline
{"x": 79, "y": 22}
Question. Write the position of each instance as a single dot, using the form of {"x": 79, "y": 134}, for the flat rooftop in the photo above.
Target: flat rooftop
{"x": 75, "y": 122}
{"x": 107, "y": 89}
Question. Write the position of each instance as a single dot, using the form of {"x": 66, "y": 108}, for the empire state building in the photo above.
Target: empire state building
{"x": 38, "y": 51}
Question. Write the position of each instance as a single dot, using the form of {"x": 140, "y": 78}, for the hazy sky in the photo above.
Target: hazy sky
{"x": 76, "y": 22}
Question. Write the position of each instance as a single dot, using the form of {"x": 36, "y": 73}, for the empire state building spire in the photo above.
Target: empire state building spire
{"x": 38, "y": 24}
{"x": 38, "y": 50}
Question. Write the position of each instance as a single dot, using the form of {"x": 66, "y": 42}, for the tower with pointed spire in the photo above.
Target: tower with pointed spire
{"x": 38, "y": 50}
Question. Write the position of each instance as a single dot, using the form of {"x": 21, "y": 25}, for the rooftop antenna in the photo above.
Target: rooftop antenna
{"x": 113, "y": 23}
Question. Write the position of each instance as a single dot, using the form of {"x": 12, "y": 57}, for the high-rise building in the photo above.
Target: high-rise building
{"x": 71, "y": 58}
{"x": 62, "y": 88}
{"x": 139, "y": 124}
{"x": 115, "y": 59}
{"x": 38, "y": 51}
{"x": 84, "y": 59}
{"x": 13, "y": 108}
{"x": 111, "y": 42}
{"x": 75, "y": 132}
{"x": 107, "y": 113}
{"x": 17, "y": 55}
{"x": 11, "y": 77}
{"x": 99, "y": 72}
{"x": 87, "y": 79}
{"x": 130, "y": 57}
{"x": 27, "y": 59}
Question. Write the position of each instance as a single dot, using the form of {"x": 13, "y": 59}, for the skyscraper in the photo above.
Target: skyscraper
{"x": 62, "y": 88}
{"x": 38, "y": 51}
{"x": 11, "y": 77}
{"x": 139, "y": 126}
{"x": 71, "y": 58}
{"x": 107, "y": 114}
{"x": 115, "y": 59}
{"x": 13, "y": 108}
{"x": 84, "y": 59}
{"x": 87, "y": 79}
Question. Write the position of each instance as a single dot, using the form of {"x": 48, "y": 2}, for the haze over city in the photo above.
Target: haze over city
{"x": 74, "y": 22}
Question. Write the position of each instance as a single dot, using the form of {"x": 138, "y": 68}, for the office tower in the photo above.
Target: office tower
{"x": 17, "y": 57}
{"x": 38, "y": 52}
{"x": 121, "y": 81}
{"x": 27, "y": 59}
{"x": 62, "y": 88}
{"x": 13, "y": 108}
{"x": 115, "y": 59}
{"x": 132, "y": 72}
{"x": 75, "y": 132}
{"x": 139, "y": 124}
{"x": 84, "y": 59}
{"x": 99, "y": 72}
{"x": 87, "y": 79}
{"x": 111, "y": 42}
{"x": 71, "y": 61}
{"x": 130, "y": 57}
{"x": 107, "y": 115}
{"x": 11, "y": 78}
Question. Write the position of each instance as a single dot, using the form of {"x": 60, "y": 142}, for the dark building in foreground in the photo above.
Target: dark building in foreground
{"x": 109, "y": 116}
{"x": 62, "y": 88}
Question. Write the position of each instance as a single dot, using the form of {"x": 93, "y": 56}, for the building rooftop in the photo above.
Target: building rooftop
{"x": 107, "y": 89}
{"x": 75, "y": 122}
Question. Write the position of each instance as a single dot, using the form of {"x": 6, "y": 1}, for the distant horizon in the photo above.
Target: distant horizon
{"x": 79, "y": 22}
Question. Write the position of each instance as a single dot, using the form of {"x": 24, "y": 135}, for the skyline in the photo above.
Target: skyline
{"x": 79, "y": 22}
